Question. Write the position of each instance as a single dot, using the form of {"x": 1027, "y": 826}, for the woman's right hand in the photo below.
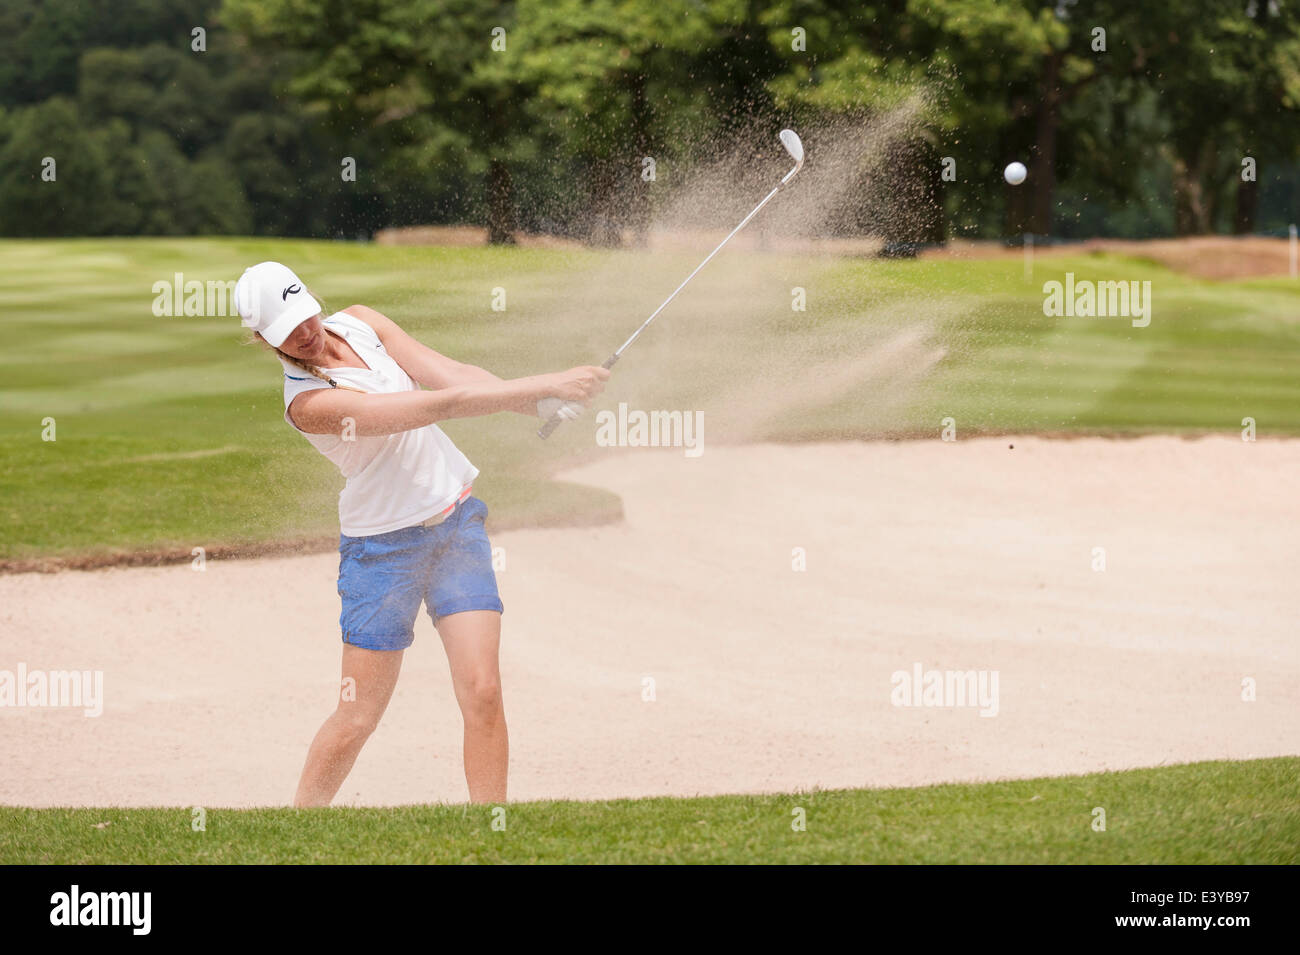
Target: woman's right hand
{"x": 579, "y": 384}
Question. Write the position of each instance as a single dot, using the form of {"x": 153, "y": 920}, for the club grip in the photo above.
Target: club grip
{"x": 553, "y": 421}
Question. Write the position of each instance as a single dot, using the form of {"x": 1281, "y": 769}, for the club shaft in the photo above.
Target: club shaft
{"x": 554, "y": 421}
{"x": 743, "y": 222}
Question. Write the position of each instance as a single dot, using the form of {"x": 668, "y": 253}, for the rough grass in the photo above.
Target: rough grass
{"x": 1199, "y": 813}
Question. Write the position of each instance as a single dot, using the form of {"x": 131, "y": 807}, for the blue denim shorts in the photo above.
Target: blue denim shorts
{"x": 384, "y": 577}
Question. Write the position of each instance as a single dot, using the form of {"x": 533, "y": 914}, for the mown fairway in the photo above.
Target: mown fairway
{"x": 1201, "y": 813}
{"x": 170, "y": 436}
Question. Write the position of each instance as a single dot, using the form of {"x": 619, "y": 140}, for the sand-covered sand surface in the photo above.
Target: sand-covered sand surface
{"x": 969, "y": 556}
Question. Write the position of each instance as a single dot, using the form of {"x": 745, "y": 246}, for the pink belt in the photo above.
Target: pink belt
{"x": 438, "y": 518}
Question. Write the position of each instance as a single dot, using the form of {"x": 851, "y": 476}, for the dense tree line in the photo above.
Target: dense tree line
{"x": 242, "y": 116}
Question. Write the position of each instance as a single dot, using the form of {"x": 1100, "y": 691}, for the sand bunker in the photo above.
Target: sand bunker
{"x": 970, "y": 556}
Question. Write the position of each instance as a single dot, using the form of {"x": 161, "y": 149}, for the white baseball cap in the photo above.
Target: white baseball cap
{"x": 272, "y": 301}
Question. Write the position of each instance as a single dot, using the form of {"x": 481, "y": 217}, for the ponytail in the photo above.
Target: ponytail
{"x": 314, "y": 371}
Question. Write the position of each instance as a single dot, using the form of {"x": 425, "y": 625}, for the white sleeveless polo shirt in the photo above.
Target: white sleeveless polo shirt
{"x": 393, "y": 480}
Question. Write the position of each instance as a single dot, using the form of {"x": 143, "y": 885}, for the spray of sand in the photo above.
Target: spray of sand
{"x": 841, "y": 202}
{"x": 838, "y": 194}
{"x": 880, "y": 376}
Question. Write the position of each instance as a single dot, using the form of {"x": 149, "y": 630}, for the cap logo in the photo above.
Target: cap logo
{"x": 291, "y": 290}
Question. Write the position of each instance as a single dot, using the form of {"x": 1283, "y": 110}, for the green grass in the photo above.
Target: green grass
{"x": 169, "y": 431}
{"x": 1200, "y": 813}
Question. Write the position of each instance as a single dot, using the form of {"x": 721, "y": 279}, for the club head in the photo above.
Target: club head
{"x": 793, "y": 145}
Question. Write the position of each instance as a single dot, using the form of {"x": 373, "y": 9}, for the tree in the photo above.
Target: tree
{"x": 1228, "y": 79}
{"x": 847, "y": 64}
{"x": 599, "y": 68}
{"x": 78, "y": 199}
{"x": 382, "y": 71}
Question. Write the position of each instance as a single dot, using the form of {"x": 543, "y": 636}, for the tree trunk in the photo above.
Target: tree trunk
{"x": 1187, "y": 197}
{"x": 1042, "y": 169}
{"x": 936, "y": 225}
{"x": 604, "y": 229}
{"x": 909, "y": 211}
{"x": 639, "y": 217}
{"x": 501, "y": 213}
{"x": 1247, "y": 202}
{"x": 1194, "y": 205}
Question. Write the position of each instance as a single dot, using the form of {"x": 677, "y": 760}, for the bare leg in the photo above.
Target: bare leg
{"x": 472, "y": 640}
{"x": 338, "y": 742}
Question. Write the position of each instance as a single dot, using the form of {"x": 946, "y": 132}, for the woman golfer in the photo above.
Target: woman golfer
{"x": 411, "y": 531}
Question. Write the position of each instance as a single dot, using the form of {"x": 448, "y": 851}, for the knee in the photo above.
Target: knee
{"x": 481, "y": 700}
{"x": 355, "y": 722}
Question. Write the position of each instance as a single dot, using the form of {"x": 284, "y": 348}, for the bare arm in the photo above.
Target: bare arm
{"x": 329, "y": 410}
{"x": 422, "y": 363}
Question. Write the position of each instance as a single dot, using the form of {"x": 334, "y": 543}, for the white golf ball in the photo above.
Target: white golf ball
{"x": 1015, "y": 173}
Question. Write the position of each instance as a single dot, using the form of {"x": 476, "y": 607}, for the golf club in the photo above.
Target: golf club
{"x": 790, "y": 140}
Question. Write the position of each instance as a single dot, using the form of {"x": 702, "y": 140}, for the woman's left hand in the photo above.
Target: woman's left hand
{"x": 567, "y": 410}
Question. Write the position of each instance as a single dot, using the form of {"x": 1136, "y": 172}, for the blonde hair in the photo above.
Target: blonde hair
{"x": 305, "y": 366}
